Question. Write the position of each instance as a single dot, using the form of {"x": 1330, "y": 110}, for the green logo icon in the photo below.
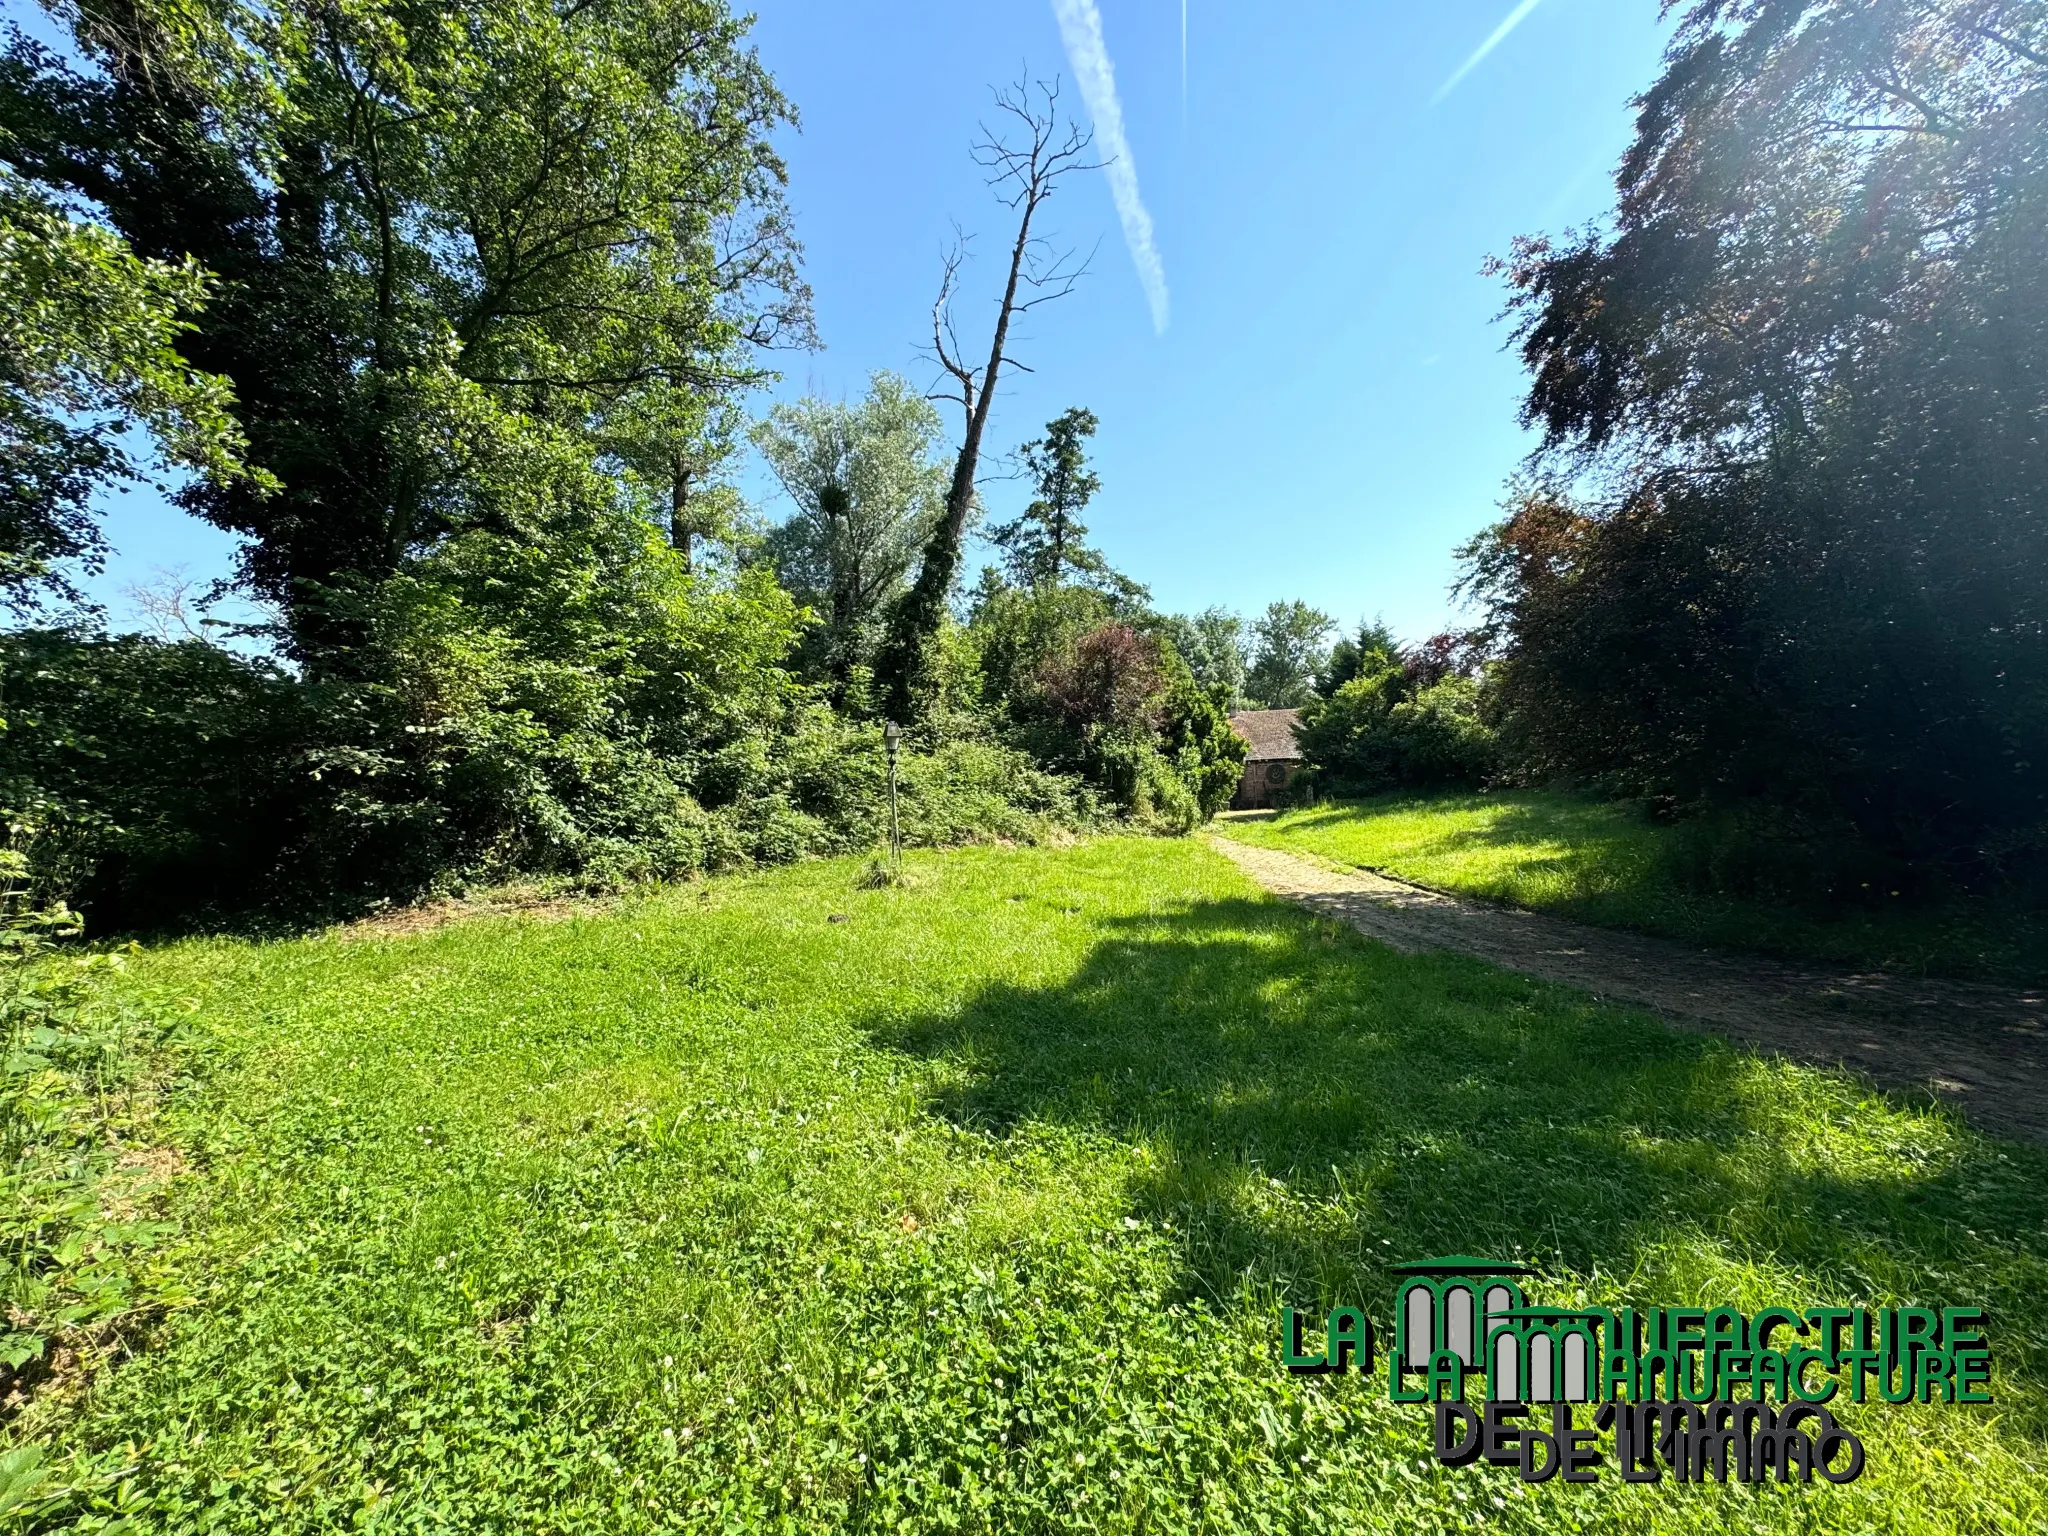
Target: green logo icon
{"x": 1698, "y": 1392}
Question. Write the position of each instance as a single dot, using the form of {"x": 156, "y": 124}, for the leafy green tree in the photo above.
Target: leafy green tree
{"x": 485, "y": 281}
{"x": 422, "y": 216}
{"x": 674, "y": 444}
{"x": 1212, "y": 644}
{"x": 1290, "y": 646}
{"x": 88, "y": 335}
{"x": 868, "y": 486}
{"x": 1047, "y": 543}
{"x": 559, "y": 697}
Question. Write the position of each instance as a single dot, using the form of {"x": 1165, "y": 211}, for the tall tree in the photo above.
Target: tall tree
{"x": 1370, "y": 650}
{"x": 425, "y": 218}
{"x": 1048, "y": 542}
{"x": 868, "y": 488}
{"x": 1212, "y": 644}
{"x": 1808, "y": 363}
{"x": 1025, "y": 169}
{"x": 1290, "y": 646}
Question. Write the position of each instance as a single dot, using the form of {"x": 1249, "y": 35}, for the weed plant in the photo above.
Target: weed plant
{"x": 81, "y": 1268}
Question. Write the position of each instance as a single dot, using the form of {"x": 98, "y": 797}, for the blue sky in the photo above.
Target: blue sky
{"x": 1327, "y": 411}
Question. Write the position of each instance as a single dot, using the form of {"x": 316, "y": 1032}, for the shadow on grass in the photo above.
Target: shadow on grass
{"x": 1313, "y": 1107}
{"x": 1594, "y": 867}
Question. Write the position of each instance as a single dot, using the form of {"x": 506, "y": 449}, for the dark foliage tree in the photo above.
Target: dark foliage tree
{"x": 1452, "y": 653}
{"x": 1806, "y": 379}
{"x": 1110, "y": 679}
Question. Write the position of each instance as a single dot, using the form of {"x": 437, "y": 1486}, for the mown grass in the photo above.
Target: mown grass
{"x": 971, "y": 1212}
{"x": 1607, "y": 864}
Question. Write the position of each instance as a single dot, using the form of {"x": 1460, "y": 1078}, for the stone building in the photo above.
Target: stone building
{"x": 1275, "y": 755}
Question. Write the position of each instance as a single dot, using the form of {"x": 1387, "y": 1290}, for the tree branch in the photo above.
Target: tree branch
{"x": 2031, "y": 55}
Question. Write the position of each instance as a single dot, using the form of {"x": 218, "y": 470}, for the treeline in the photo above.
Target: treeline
{"x": 449, "y": 314}
{"x": 1780, "y": 567}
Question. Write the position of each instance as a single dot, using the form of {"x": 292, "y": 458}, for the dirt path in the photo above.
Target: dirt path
{"x": 1982, "y": 1048}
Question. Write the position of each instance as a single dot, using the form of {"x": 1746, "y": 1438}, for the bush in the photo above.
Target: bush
{"x": 180, "y": 784}
{"x": 1380, "y": 732}
{"x": 962, "y": 790}
{"x": 1121, "y": 706}
{"x": 157, "y": 779}
{"x": 1196, "y": 738}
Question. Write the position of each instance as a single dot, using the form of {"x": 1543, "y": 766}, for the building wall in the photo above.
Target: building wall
{"x": 1261, "y": 782}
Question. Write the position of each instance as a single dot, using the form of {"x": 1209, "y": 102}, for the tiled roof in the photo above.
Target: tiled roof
{"x": 1271, "y": 733}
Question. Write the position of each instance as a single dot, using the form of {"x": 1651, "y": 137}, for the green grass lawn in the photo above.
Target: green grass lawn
{"x": 970, "y": 1212}
{"x": 1605, "y": 863}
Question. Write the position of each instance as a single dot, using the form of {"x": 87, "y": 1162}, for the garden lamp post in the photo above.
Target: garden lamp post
{"x": 891, "y": 737}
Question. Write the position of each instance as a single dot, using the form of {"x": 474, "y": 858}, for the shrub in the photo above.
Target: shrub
{"x": 1138, "y": 725}
{"x": 1379, "y": 732}
{"x": 1110, "y": 681}
{"x": 959, "y": 790}
{"x": 159, "y": 779}
{"x": 175, "y": 784}
{"x": 1197, "y": 739}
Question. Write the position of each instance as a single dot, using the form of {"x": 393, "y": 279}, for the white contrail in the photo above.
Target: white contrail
{"x": 1515, "y": 19}
{"x": 1081, "y": 30}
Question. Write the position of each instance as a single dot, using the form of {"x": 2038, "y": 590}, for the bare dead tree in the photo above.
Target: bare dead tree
{"x": 169, "y": 604}
{"x": 1034, "y": 149}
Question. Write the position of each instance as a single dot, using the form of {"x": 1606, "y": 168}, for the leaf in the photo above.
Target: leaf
{"x": 21, "y": 1471}
{"x": 1271, "y": 1427}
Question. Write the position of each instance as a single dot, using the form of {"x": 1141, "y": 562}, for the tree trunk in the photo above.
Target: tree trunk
{"x": 918, "y": 615}
{"x": 680, "y": 532}
{"x": 1029, "y": 169}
